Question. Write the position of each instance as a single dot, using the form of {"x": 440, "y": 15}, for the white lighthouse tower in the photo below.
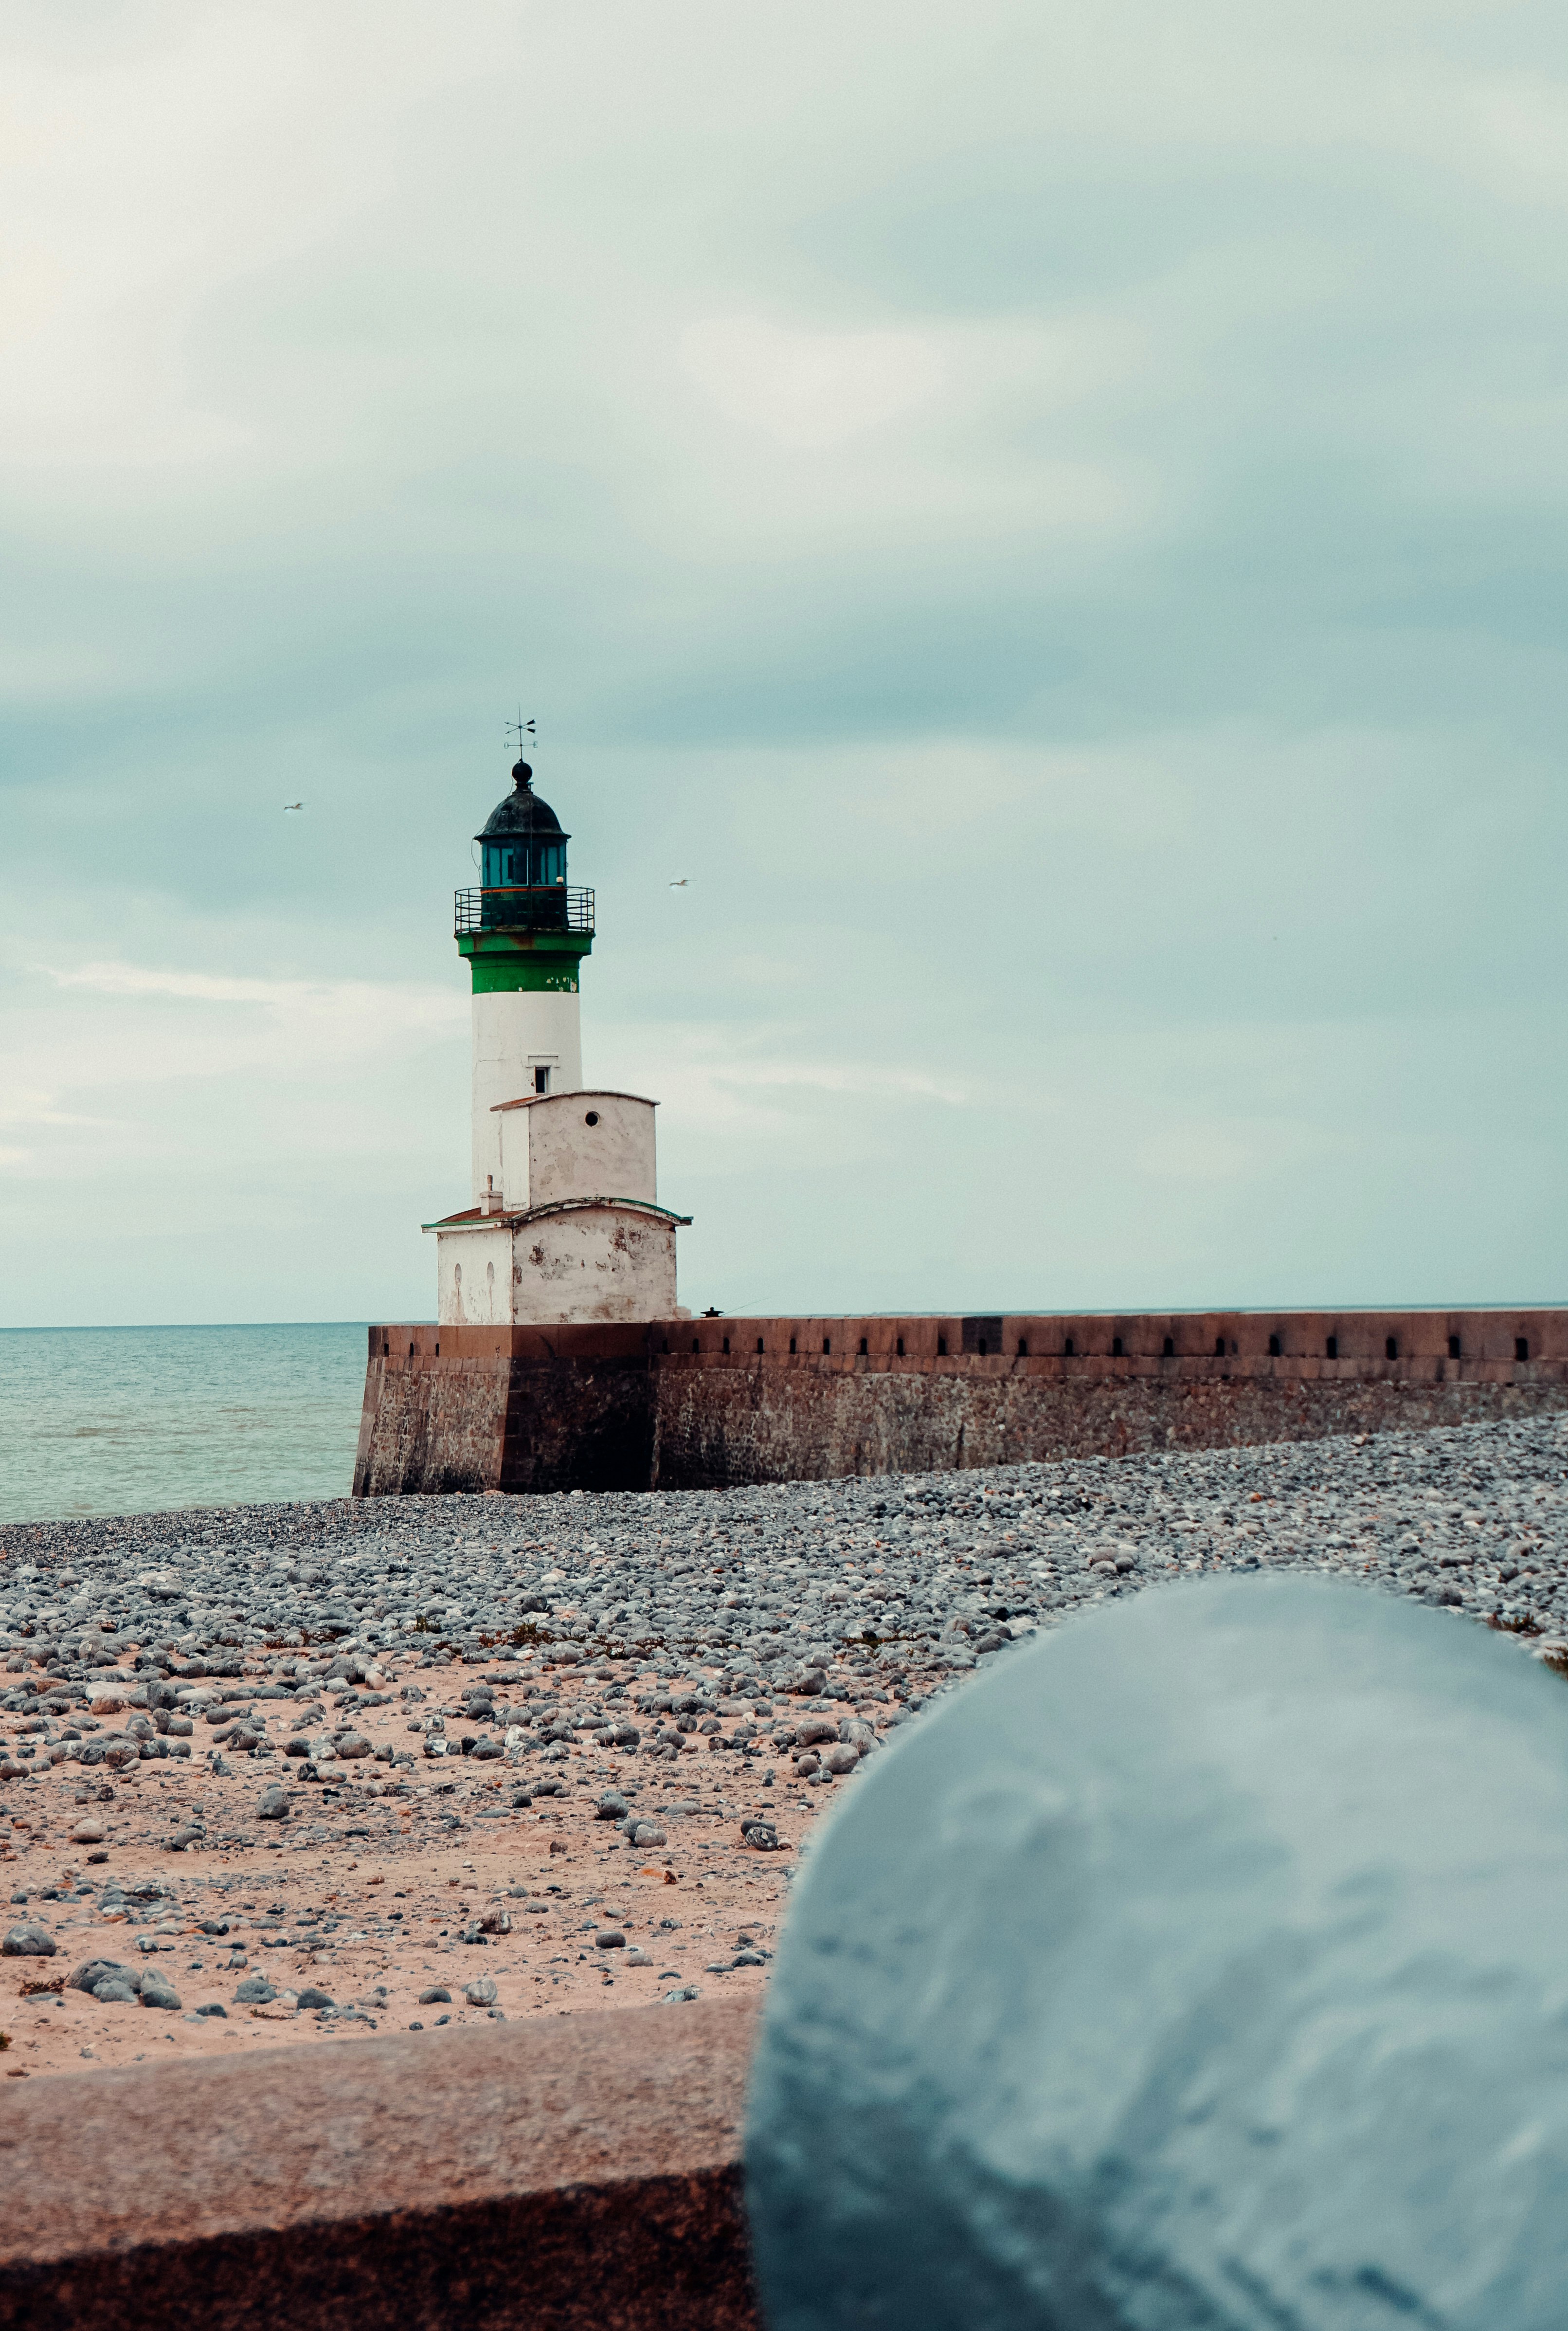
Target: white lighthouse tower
{"x": 564, "y": 1225}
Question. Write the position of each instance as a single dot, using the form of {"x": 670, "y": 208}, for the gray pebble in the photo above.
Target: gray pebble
{"x": 93, "y": 1972}
{"x": 28, "y": 1941}
{"x": 807, "y": 1589}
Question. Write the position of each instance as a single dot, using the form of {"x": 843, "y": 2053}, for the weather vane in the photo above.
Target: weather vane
{"x": 523, "y": 730}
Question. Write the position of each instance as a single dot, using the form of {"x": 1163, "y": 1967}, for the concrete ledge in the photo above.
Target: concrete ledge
{"x": 550, "y": 2174}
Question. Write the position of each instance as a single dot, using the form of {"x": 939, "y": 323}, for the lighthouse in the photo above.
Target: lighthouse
{"x": 564, "y": 1224}
{"x": 525, "y": 934}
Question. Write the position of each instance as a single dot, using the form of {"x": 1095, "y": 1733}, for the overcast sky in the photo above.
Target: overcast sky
{"x": 1051, "y": 517}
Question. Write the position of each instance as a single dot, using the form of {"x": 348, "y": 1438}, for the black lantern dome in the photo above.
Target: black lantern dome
{"x": 522, "y": 846}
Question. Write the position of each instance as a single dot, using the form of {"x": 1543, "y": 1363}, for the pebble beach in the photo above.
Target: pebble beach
{"x": 294, "y": 1774}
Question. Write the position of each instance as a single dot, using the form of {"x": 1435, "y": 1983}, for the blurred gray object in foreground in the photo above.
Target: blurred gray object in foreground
{"x": 1204, "y": 1965}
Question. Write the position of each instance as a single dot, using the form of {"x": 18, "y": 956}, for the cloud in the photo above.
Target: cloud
{"x": 347, "y": 1003}
{"x": 1219, "y": 1153}
{"x": 20, "y": 1107}
{"x": 810, "y": 389}
{"x": 1051, "y": 518}
{"x": 740, "y": 1085}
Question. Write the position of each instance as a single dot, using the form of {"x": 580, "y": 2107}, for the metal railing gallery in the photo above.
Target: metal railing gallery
{"x": 553, "y": 907}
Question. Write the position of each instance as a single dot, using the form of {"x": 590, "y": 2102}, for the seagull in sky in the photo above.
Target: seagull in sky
{"x": 290, "y": 807}
{"x": 681, "y": 883}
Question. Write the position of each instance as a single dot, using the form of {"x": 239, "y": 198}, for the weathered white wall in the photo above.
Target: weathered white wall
{"x": 473, "y": 1269}
{"x": 595, "y": 1263}
{"x": 513, "y": 1127}
{"x": 570, "y": 1158}
{"x": 507, "y": 1030}
{"x": 550, "y": 1151}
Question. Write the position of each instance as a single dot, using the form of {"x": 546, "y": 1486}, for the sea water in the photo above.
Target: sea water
{"x": 135, "y": 1420}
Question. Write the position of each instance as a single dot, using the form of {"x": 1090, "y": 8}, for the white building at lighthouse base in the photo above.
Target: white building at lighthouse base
{"x": 571, "y": 1231}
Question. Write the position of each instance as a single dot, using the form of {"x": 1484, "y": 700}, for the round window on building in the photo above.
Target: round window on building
{"x": 592, "y": 1118}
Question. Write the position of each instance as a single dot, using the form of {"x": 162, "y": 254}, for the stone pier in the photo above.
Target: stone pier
{"x": 716, "y": 1403}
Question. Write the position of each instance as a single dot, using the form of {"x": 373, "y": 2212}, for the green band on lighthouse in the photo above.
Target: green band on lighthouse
{"x": 506, "y": 963}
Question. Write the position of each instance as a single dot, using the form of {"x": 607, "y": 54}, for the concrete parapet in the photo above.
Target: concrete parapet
{"x": 699, "y": 1404}
{"x": 550, "y": 2174}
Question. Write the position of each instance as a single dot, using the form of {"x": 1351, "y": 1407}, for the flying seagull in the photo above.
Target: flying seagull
{"x": 681, "y": 884}
{"x": 288, "y": 807}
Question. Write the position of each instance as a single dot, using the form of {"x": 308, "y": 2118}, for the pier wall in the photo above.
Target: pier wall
{"x": 708, "y": 1403}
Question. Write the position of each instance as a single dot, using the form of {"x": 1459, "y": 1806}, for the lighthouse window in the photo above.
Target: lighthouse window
{"x": 592, "y": 1118}
{"x": 541, "y": 1081}
{"x": 520, "y": 866}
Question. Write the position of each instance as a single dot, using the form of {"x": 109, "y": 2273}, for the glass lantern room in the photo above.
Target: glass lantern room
{"x": 522, "y": 847}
